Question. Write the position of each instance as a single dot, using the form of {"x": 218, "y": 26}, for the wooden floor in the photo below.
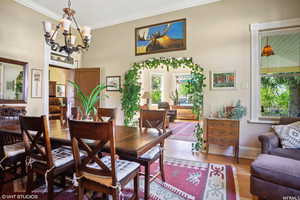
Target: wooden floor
{"x": 182, "y": 150}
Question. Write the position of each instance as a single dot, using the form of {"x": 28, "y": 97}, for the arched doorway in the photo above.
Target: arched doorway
{"x": 131, "y": 91}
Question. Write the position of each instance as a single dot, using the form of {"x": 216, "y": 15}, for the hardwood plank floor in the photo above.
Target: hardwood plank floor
{"x": 182, "y": 150}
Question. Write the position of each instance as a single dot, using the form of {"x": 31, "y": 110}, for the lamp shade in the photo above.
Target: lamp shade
{"x": 267, "y": 50}
{"x": 146, "y": 95}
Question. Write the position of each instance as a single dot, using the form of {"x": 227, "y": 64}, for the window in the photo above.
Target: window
{"x": 275, "y": 90}
{"x": 184, "y": 97}
{"x": 156, "y": 88}
{"x": 280, "y": 74}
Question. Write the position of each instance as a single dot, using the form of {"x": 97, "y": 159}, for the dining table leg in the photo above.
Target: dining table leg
{"x": 147, "y": 181}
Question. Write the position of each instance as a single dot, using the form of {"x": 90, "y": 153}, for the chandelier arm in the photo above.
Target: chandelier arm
{"x": 56, "y": 29}
{"x": 66, "y": 42}
{"x": 78, "y": 29}
{"x": 54, "y": 44}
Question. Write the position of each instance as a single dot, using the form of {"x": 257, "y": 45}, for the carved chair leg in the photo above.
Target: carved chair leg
{"x": 147, "y": 183}
{"x": 161, "y": 167}
{"x": 23, "y": 168}
{"x": 115, "y": 195}
{"x": 80, "y": 192}
{"x": 50, "y": 180}
{"x": 29, "y": 181}
{"x": 136, "y": 186}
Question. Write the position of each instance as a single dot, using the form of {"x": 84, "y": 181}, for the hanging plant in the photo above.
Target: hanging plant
{"x": 132, "y": 88}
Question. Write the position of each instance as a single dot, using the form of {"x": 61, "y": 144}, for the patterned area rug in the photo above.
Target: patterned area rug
{"x": 182, "y": 131}
{"x": 185, "y": 180}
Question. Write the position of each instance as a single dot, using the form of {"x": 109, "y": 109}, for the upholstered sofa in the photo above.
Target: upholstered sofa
{"x": 275, "y": 177}
{"x": 275, "y": 174}
{"x": 270, "y": 143}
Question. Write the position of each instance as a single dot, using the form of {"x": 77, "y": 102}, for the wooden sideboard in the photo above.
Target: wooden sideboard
{"x": 184, "y": 112}
{"x": 225, "y": 132}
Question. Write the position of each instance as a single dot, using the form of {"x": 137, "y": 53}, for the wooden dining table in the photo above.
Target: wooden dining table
{"x": 130, "y": 141}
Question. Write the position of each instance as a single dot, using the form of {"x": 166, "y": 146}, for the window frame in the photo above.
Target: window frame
{"x": 175, "y": 82}
{"x": 161, "y": 87}
{"x": 255, "y": 29}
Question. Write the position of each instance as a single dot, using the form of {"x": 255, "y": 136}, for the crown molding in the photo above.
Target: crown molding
{"x": 275, "y": 24}
{"x": 179, "y": 6}
{"x": 39, "y": 9}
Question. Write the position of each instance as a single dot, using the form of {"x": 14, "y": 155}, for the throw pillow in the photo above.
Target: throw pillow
{"x": 289, "y": 135}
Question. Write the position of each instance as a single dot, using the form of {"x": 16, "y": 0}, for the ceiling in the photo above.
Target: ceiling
{"x": 101, "y": 13}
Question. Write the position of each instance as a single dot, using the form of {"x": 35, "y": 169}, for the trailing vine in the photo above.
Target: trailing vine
{"x": 132, "y": 88}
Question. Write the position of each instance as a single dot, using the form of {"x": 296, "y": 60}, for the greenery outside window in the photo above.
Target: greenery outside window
{"x": 182, "y": 87}
{"x": 280, "y": 74}
{"x": 156, "y": 88}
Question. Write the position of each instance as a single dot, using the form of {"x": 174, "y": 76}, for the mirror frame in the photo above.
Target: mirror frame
{"x": 25, "y": 82}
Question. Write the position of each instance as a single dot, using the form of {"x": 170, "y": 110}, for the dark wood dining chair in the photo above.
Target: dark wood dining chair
{"x": 12, "y": 150}
{"x": 12, "y": 159}
{"x": 106, "y": 174}
{"x": 106, "y": 112}
{"x": 75, "y": 114}
{"x": 152, "y": 119}
{"x": 41, "y": 158}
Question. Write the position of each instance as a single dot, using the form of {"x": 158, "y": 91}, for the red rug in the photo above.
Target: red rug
{"x": 185, "y": 180}
{"x": 183, "y": 131}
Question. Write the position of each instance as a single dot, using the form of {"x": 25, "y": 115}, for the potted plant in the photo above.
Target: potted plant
{"x": 89, "y": 101}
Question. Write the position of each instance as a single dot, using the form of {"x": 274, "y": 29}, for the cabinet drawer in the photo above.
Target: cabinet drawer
{"x": 221, "y": 141}
{"x": 223, "y": 123}
{"x": 221, "y": 132}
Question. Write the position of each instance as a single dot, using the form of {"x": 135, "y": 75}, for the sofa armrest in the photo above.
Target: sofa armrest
{"x": 269, "y": 141}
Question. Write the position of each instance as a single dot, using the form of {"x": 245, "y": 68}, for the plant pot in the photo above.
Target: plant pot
{"x": 88, "y": 117}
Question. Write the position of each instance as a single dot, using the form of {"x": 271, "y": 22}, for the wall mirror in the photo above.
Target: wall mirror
{"x": 13, "y": 81}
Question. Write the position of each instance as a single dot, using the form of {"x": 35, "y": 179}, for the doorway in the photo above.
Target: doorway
{"x": 61, "y": 94}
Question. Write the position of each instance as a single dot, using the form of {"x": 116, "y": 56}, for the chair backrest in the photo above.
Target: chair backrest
{"x": 106, "y": 112}
{"x": 164, "y": 105}
{"x": 35, "y": 132}
{"x": 153, "y": 119}
{"x": 75, "y": 114}
{"x": 101, "y": 133}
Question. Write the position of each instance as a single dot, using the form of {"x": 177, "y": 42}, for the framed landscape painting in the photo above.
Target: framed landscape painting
{"x": 113, "y": 83}
{"x": 60, "y": 90}
{"x": 162, "y": 37}
{"x": 223, "y": 80}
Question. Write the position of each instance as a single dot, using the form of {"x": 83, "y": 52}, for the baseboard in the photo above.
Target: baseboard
{"x": 245, "y": 152}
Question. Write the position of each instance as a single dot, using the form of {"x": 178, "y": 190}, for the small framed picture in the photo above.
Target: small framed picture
{"x": 60, "y": 90}
{"x": 36, "y": 83}
{"x": 223, "y": 80}
{"x": 113, "y": 83}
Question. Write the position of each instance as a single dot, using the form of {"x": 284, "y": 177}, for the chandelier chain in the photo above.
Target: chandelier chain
{"x": 69, "y": 3}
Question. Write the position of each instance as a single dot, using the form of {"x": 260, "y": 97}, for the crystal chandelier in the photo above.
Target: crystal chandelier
{"x": 69, "y": 38}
